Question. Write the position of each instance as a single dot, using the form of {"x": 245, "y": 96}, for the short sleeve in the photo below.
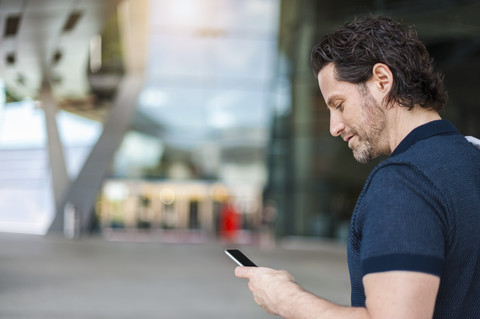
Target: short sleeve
{"x": 404, "y": 227}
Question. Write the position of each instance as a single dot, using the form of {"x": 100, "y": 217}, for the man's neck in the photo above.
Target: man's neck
{"x": 402, "y": 122}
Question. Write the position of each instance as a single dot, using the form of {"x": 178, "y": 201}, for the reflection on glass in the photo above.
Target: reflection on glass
{"x": 24, "y": 169}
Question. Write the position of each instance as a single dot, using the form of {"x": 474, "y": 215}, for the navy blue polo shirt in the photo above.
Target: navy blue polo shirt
{"x": 420, "y": 211}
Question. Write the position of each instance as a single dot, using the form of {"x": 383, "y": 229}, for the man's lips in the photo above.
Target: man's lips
{"x": 348, "y": 139}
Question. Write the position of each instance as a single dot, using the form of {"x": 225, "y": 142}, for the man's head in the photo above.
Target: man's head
{"x": 356, "y": 112}
{"x": 357, "y": 47}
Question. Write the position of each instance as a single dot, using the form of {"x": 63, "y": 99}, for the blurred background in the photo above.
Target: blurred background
{"x": 170, "y": 115}
{"x": 191, "y": 122}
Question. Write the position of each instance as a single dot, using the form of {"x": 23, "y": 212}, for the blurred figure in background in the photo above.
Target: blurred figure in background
{"x": 230, "y": 221}
{"x": 267, "y": 225}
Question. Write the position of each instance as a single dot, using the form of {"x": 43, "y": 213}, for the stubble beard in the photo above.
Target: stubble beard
{"x": 363, "y": 153}
{"x": 368, "y": 132}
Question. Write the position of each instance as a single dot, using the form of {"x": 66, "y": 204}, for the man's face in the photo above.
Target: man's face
{"x": 355, "y": 115}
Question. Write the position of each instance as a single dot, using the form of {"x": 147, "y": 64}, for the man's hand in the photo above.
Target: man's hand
{"x": 393, "y": 294}
{"x": 270, "y": 288}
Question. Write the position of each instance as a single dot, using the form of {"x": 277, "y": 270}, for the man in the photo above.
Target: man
{"x": 414, "y": 244}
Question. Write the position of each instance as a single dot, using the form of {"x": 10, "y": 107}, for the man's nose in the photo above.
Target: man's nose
{"x": 336, "y": 124}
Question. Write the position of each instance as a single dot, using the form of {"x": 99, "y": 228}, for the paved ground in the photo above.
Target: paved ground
{"x": 53, "y": 277}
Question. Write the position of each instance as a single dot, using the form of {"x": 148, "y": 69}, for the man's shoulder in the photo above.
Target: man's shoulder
{"x": 437, "y": 153}
{"x": 429, "y": 166}
{"x": 393, "y": 172}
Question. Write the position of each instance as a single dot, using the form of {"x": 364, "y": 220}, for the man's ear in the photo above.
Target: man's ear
{"x": 381, "y": 83}
{"x": 382, "y": 77}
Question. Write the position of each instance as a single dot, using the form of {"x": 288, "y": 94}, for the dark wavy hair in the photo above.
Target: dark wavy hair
{"x": 357, "y": 46}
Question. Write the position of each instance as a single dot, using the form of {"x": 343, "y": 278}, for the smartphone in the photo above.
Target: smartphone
{"x": 239, "y": 258}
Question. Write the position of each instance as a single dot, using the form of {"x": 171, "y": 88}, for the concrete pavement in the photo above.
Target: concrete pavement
{"x": 92, "y": 278}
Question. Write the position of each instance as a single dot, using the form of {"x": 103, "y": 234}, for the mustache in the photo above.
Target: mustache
{"x": 347, "y": 135}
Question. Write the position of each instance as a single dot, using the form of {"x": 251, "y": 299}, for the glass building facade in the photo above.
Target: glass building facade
{"x": 228, "y": 116}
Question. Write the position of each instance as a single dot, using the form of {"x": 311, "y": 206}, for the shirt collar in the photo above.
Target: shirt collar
{"x": 438, "y": 127}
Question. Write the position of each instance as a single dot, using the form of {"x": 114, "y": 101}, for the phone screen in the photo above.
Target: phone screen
{"x": 239, "y": 258}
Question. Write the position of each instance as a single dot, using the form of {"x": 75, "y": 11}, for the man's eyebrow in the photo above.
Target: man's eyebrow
{"x": 332, "y": 98}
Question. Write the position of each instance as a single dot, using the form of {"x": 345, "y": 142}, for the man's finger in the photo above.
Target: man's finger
{"x": 244, "y": 272}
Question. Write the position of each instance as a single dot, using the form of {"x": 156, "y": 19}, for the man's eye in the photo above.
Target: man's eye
{"x": 339, "y": 106}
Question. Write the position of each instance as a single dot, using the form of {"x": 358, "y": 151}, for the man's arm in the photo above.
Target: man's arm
{"x": 393, "y": 294}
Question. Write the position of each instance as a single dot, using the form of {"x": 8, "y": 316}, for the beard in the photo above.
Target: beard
{"x": 368, "y": 131}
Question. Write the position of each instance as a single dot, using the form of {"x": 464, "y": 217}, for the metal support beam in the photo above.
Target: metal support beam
{"x": 82, "y": 194}
{"x": 58, "y": 168}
